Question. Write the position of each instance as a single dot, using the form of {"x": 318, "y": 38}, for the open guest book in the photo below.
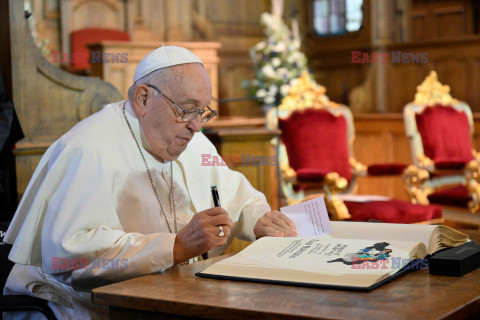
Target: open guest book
{"x": 356, "y": 256}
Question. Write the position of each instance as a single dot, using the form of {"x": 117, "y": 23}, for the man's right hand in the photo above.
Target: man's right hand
{"x": 201, "y": 234}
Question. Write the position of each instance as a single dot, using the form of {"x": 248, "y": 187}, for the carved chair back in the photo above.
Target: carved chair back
{"x": 440, "y": 130}
{"x": 439, "y": 127}
{"x": 317, "y": 137}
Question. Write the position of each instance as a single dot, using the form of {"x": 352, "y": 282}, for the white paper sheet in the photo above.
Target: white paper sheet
{"x": 310, "y": 217}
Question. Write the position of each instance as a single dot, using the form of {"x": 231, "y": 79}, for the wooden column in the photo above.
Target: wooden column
{"x": 381, "y": 16}
{"x": 174, "y": 30}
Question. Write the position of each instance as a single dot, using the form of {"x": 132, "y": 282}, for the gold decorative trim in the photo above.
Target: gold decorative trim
{"x": 425, "y": 162}
{"x": 306, "y": 93}
{"x": 288, "y": 174}
{"x": 432, "y": 92}
{"x": 334, "y": 182}
{"x": 476, "y": 155}
{"x": 472, "y": 179}
{"x": 358, "y": 168}
{"x": 414, "y": 182}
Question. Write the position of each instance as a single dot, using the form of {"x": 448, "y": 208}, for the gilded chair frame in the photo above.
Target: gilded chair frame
{"x": 315, "y": 98}
{"x": 418, "y": 183}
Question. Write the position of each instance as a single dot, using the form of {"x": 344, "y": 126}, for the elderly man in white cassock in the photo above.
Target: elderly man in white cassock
{"x": 124, "y": 194}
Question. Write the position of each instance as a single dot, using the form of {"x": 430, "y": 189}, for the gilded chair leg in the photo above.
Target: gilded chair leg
{"x": 337, "y": 209}
{"x": 474, "y": 203}
{"x": 414, "y": 183}
{"x": 335, "y": 206}
{"x": 472, "y": 180}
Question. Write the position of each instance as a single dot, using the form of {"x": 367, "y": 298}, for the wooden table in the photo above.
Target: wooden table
{"x": 178, "y": 294}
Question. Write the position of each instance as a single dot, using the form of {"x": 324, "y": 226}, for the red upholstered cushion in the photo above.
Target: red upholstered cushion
{"x": 445, "y": 135}
{"x": 316, "y": 142}
{"x": 449, "y": 164}
{"x": 311, "y": 175}
{"x": 392, "y": 211}
{"x": 384, "y": 169}
{"x": 455, "y": 196}
{"x": 81, "y": 38}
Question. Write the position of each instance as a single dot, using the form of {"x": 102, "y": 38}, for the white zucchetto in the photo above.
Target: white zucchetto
{"x": 162, "y": 57}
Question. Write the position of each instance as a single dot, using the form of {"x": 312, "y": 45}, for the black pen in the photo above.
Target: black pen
{"x": 216, "y": 203}
{"x": 216, "y": 198}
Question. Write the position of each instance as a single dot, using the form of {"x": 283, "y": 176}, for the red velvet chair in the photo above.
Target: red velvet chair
{"x": 316, "y": 156}
{"x": 440, "y": 129}
{"x": 80, "y": 39}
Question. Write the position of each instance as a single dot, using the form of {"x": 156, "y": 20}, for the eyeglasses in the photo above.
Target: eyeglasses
{"x": 190, "y": 114}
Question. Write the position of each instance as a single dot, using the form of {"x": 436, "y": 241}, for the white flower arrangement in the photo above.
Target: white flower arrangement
{"x": 277, "y": 60}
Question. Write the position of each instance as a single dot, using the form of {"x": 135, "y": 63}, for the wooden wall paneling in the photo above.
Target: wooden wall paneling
{"x": 174, "y": 30}
{"x": 476, "y": 136}
{"x": 88, "y": 14}
{"x": 454, "y": 61}
{"x": 457, "y": 69}
{"x": 186, "y": 16}
{"x": 151, "y": 22}
{"x": 420, "y": 25}
{"x": 441, "y": 19}
{"x": 387, "y": 88}
{"x": 236, "y": 25}
{"x": 451, "y": 22}
{"x": 333, "y": 68}
{"x": 381, "y": 139}
{"x": 474, "y": 84}
{"x": 235, "y": 67}
{"x": 236, "y": 19}
{"x": 394, "y": 84}
{"x": 401, "y": 83}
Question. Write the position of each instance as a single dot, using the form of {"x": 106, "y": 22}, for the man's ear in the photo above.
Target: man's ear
{"x": 140, "y": 96}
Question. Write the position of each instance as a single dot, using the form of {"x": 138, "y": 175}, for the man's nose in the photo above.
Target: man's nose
{"x": 195, "y": 125}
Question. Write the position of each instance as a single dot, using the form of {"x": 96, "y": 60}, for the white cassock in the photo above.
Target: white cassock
{"x": 90, "y": 199}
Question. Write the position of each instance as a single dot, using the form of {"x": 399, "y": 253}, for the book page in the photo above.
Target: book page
{"x": 326, "y": 255}
{"x": 386, "y": 231}
{"x": 310, "y": 217}
{"x": 356, "y": 254}
{"x": 321, "y": 261}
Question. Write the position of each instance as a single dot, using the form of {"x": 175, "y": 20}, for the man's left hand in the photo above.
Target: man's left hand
{"x": 275, "y": 224}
